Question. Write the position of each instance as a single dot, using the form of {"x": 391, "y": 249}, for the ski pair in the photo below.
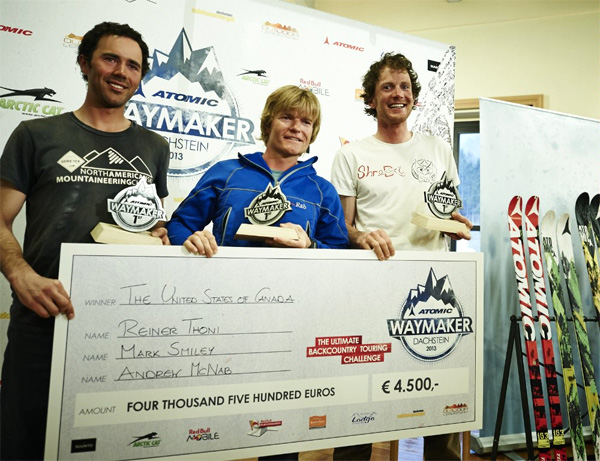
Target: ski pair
{"x": 553, "y": 265}
{"x": 585, "y": 226}
{"x": 565, "y": 242}
{"x": 549, "y": 231}
{"x": 515, "y": 226}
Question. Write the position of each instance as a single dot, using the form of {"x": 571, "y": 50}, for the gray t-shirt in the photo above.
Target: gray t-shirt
{"x": 68, "y": 171}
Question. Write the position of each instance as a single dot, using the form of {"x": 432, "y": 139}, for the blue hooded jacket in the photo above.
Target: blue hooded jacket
{"x": 229, "y": 187}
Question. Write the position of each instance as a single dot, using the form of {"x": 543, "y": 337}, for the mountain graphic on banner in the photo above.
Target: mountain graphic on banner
{"x": 436, "y": 116}
{"x": 198, "y": 66}
{"x": 439, "y": 289}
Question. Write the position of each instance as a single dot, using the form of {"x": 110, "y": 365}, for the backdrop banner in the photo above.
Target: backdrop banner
{"x": 212, "y": 66}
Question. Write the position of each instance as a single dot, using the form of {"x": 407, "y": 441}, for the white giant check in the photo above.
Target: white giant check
{"x": 261, "y": 351}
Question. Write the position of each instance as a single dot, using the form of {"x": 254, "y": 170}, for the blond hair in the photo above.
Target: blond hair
{"x": 290, "y": 97}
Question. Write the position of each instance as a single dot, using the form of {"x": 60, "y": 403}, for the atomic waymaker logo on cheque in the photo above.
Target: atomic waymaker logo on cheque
{"x": 431, "y": 321}
{"x": 184, "y": 98}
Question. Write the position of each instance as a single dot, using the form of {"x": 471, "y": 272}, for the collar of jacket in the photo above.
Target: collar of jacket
{"x": 302, "y": 168}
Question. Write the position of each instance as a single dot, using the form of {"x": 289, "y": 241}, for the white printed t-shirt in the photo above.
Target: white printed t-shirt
{"x": 389, "y": 182}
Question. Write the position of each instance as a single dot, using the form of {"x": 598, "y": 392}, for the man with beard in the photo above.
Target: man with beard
{"x": 43, "y": 166}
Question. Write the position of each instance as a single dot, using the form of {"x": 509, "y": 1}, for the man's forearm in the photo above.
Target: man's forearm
{"x": 11, "y": 255}
{"x": 353, "y": 235}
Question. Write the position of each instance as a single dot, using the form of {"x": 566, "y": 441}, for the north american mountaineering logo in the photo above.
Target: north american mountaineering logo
{"x": 432, "y": 321}
{"x": 106, "y": 167}
{"x": 184, "y": 98}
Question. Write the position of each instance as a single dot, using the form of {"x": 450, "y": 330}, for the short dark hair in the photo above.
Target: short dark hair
{"x": 395, "y": 61}
{"x": 90, "y": 40}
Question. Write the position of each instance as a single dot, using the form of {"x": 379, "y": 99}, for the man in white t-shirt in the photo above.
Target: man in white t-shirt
{"x": 382, "y": 180}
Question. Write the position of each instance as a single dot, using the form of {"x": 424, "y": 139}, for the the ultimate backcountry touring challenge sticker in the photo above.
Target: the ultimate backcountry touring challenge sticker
{"x": 431, "y": 321}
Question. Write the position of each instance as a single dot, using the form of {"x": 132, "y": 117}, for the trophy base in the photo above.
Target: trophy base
{"x": 442, "y": 225}
{"x": 261, "y": 233}
{"x": 109, "y": 233}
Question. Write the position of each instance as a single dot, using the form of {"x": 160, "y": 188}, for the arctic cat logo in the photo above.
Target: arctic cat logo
{"x": 258, "y": 73}
{"x": 38, "y": 94}
{"x": 442, "y": 198}
{"x": 151, "y": 440}
{"x": 431, "y": 322}
{"x": 257, "y": 77}
{"x": 28, "y": 107}
{"x": 267, "y": 207}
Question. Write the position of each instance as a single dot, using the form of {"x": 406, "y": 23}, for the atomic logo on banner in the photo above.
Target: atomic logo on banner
{"x": 184, "y": 98}
{"x": 431, "y": 320}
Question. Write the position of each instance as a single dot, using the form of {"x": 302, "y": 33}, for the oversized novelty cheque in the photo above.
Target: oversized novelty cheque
{"x": 261, "y": 351}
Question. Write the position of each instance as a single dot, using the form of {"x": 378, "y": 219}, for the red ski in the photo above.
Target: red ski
{"x": 515, "y": 221}
{"x": 532, "y": 218}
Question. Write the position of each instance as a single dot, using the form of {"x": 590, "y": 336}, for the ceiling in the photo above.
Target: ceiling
{"x": 422, "y": 15}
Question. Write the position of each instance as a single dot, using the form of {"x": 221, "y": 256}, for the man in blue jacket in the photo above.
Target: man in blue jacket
{"x": 270, "y": 188}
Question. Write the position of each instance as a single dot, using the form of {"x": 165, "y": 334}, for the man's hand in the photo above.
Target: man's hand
{"x": 46, "y": 297}
{"x": 162, "y": 234}
{"x": 378, "y": 241}
{"x": 202, "y": 243}
{"x": 303, "y": 240}
{"x": 461, "y": 235}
